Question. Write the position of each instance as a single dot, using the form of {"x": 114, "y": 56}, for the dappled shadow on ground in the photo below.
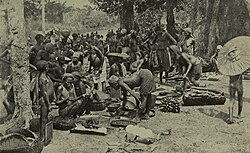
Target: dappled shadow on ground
{"x": 214, "y": 113}
{"x": 245, "y": 99}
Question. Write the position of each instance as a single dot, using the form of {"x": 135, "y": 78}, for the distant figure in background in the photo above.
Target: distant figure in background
{"x": 75, "y": 65}
{"x": 162, "y": 40}
{"x": 213, "y": 59}
{"x": 189, "y": 43}
{"x": 98, "y": 67}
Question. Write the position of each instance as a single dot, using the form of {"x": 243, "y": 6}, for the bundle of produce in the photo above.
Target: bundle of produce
{"x": 170, "y": 105}
{"x": 201, "y": 97}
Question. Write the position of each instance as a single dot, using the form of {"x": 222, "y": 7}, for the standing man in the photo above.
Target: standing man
{"x": 163, "y": 39}
{"x": 34, "y": 50}
{"x": 43, "y": 95}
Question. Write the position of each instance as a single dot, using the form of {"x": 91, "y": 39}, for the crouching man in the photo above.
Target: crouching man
{"x": 143, "y": 79}
{"x": 70, "y": 106}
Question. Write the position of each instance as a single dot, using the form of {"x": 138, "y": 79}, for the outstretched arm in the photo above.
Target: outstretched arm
{"x": 189, "y": 64}
{"x": 128, "y": 89}
{"x": 171, "y": 38}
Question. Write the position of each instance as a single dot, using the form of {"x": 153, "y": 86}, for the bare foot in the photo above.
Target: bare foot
{"x": 230, "y": 121}
{"x": 240, "y": 117}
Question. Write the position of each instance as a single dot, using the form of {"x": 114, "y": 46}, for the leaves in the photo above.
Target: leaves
{"x": 54, "y": 10}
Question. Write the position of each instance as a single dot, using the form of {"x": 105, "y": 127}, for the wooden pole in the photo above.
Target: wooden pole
{"x": 43, "y": 16}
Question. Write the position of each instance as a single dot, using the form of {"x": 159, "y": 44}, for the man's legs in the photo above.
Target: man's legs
{"x": 142, "y": 108}
{"x": 240, "y": 103}
{"x": 43, "y": 119}
{"x": 231, "y": 104}
{"x": 149, "y": 105}
{"x": 74, "y": 108}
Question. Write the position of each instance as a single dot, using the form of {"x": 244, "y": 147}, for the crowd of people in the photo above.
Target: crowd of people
{"x": 78, "y": 63}
{"x": 69, "y": 69}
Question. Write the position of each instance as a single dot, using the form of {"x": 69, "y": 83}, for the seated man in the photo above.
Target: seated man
{"x": 143, "y": 79}
{"x": 82, "y": 87}
{"x": 69, "y": 104}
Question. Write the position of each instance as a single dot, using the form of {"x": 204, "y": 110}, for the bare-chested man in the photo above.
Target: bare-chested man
{"x": 68, "y": 102}
{"x": 143, "y": 79}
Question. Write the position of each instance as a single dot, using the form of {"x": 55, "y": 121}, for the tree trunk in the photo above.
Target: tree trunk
{"x": 4, "y": 67}
{"x": 19, "y": 59}
{"x": 171, "y": 19}
{"x": 127, "y": 15}
{"x": 215, "y": 22}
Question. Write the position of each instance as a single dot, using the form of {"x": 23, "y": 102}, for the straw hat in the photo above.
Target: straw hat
{"x": 234, "y": 56}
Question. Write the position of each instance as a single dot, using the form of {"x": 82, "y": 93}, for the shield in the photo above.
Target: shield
{"x": 234, "y": 57}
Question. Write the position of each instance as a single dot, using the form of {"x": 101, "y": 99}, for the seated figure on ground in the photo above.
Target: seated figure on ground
{"x": 69, "y": 104}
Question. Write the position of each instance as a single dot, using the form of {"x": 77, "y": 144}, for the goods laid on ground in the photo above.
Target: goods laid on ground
{"x": 121, "y": 122}
{"x": 170, "y": 104}
{"x": 97, "y": 105}
{"x": 83, "y": 130}
{"x": 202, "y": 97}
{"x": 63, "y": 124}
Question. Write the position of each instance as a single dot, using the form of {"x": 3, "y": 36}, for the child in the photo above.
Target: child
{"x": 235, "y": 86}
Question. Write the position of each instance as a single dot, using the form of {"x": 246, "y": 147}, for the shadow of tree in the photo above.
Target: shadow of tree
{"x": 244, "y": 98}
{"x": 214, "y": 113}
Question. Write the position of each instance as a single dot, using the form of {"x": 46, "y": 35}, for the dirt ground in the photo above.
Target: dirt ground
{"x": 194, "y": 130}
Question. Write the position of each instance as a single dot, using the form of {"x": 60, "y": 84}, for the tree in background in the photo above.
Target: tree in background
{"x": 123, "y": 8}
{"x": 54, "y": 10}
{"x": 216, "y": 22}
{"x": 126, "y": 10}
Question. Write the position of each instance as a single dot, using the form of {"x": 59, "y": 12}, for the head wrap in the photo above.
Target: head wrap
{"x": 113, "y": 79}
{"x": 219, "y": 47}
{"x": 189, "y": 30}
{"x": 67, "y": 75}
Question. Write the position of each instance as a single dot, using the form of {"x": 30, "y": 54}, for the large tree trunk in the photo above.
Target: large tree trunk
{"x": 127, "y": 15}
{"x": 4, "y": 67}
{"x": 171, "y": 19}
{"x": 216, "y": 22}
{"x": 19, "y": 59}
